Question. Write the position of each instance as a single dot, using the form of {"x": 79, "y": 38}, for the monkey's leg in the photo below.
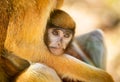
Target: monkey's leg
{"x": 38, "y": 73}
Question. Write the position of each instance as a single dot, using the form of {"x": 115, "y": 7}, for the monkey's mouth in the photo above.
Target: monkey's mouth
{"x": 56, "y": 50}
{"x": 54, "y": 47}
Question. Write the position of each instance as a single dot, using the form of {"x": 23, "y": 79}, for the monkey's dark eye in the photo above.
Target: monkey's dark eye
{"x": 55, "y": 32}
{"x": 67, "y": 35}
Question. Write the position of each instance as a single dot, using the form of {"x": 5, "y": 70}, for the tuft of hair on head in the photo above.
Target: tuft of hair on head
{"x": 62, "y": 19}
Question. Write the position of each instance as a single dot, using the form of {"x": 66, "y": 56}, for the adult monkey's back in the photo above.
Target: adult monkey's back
{"x": 25, "y": 37}
{"x": 13, "y": 20}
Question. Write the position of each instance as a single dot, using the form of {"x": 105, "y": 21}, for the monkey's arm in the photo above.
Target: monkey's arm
{"x": 68, "y": 66}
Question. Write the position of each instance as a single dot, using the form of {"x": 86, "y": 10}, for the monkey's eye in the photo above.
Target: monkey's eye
{"x": 67, "y": 35}
{"x": 55, "y": 32}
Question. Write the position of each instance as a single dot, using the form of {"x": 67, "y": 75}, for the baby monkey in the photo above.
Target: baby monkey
{"x": 59, "y": 32}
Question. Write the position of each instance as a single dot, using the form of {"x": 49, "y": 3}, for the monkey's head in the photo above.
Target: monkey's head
{"x": 59, "y": 32}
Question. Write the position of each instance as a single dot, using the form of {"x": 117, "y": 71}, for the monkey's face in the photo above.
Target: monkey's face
{"x": 58, "y": 40}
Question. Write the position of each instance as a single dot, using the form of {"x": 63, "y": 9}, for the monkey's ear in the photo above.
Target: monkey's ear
{"x": 12, "y": 64}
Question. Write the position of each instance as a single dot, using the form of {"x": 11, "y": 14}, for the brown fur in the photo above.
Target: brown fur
{"x": 25, "y": 37}
{"x": 10, "y": 66}
{"x": 60, "y": 18}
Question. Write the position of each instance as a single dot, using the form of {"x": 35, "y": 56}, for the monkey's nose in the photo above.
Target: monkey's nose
{"x": 59, "y": 44}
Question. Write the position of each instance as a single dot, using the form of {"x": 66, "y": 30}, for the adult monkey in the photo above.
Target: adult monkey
{"x": 8, "y": 10}
{"x": 25, "y": 37}
{"x": 10, "y": 65}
